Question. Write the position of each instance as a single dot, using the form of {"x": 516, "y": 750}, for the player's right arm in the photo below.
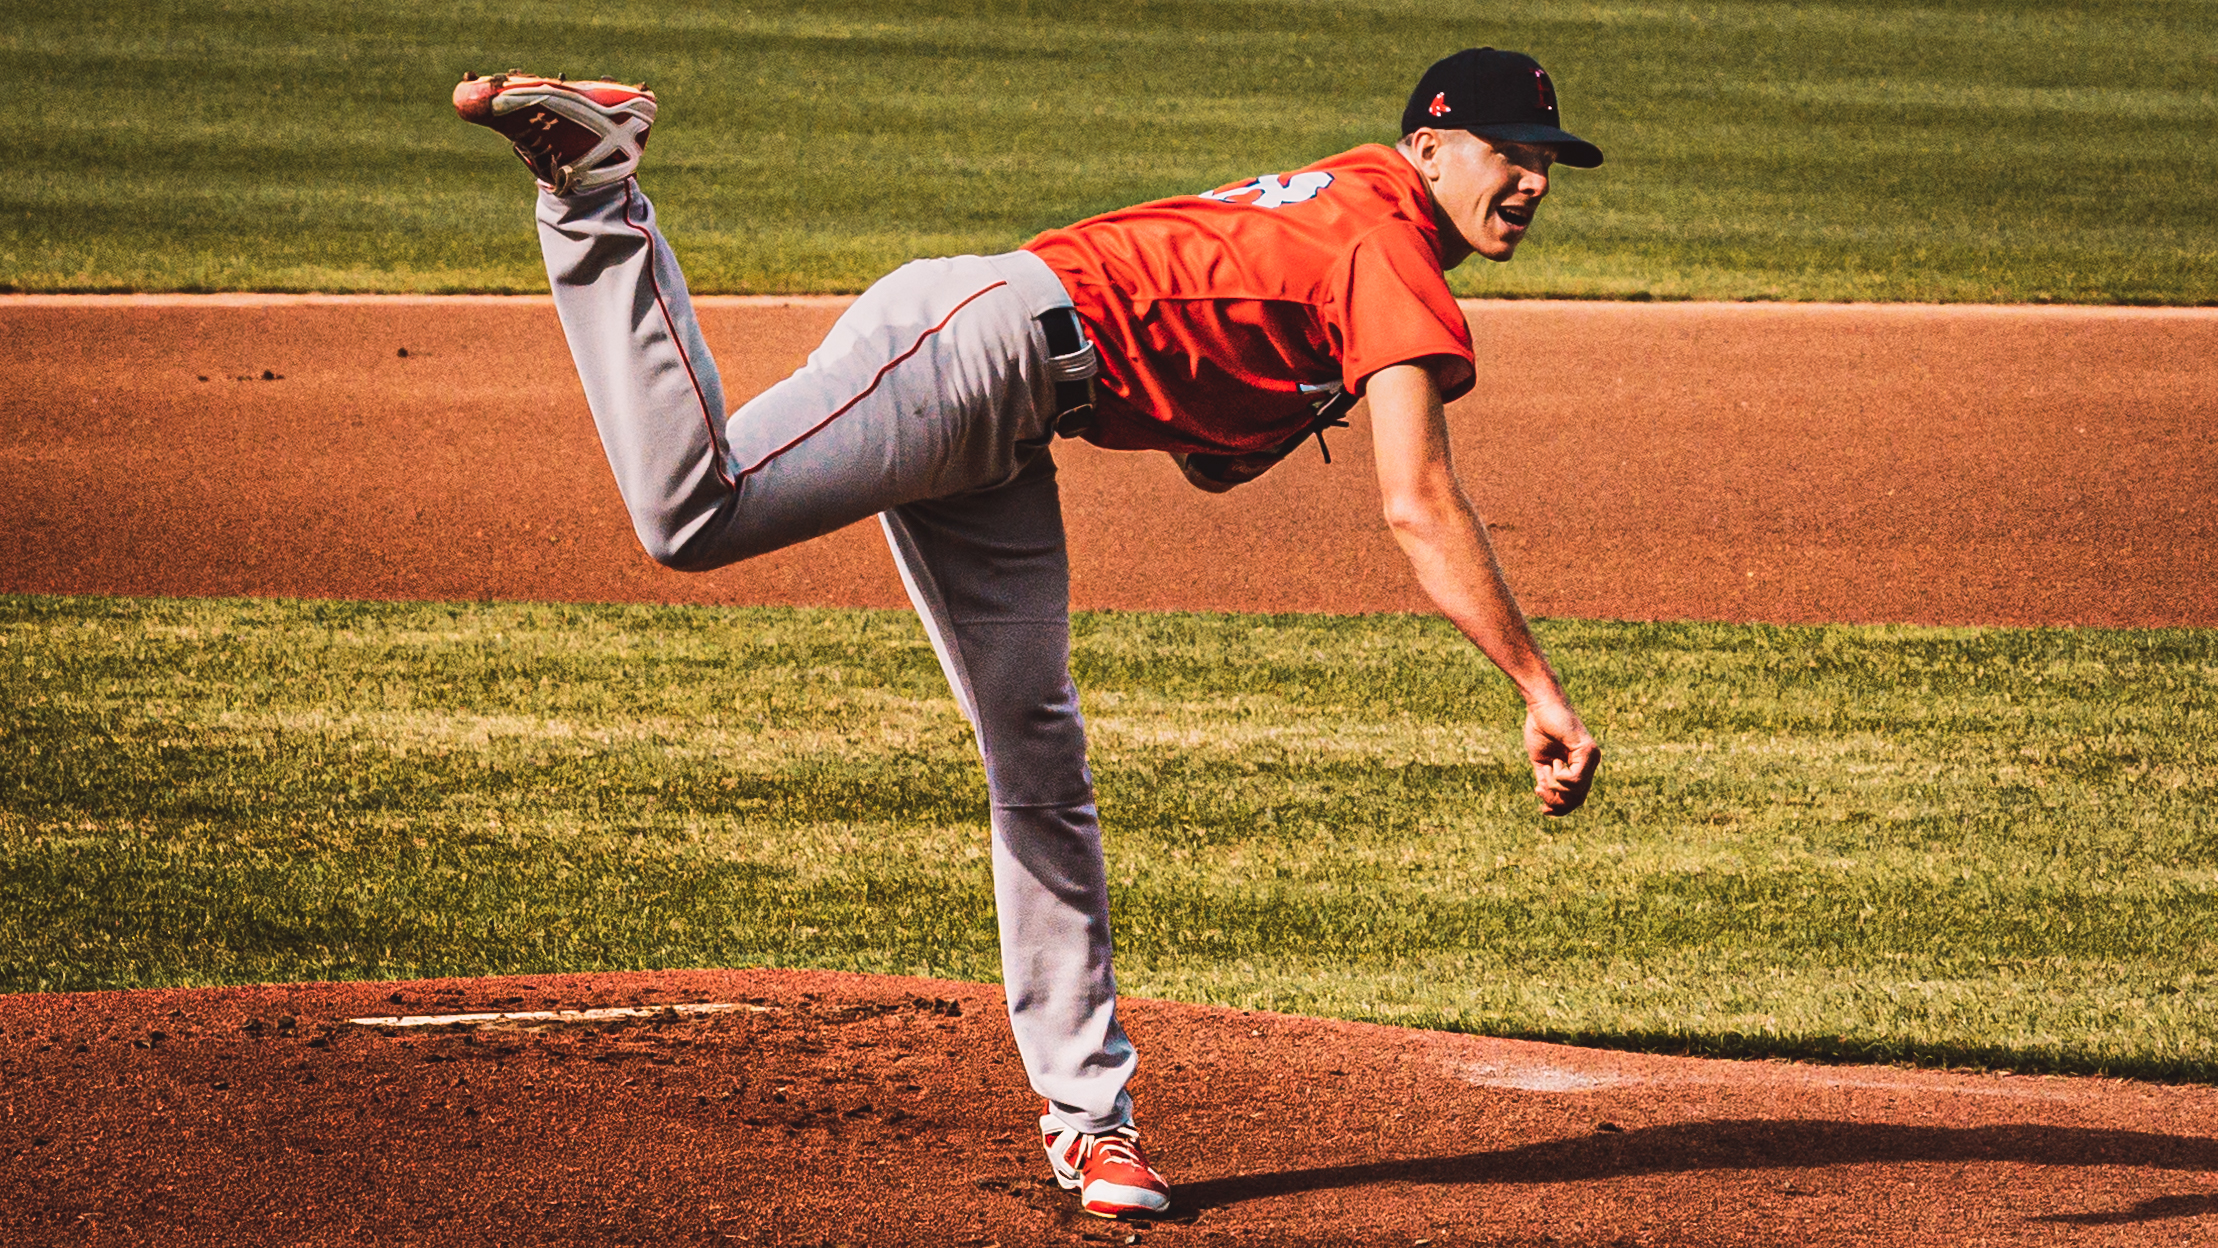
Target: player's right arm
{"x": 1447, "y": 546}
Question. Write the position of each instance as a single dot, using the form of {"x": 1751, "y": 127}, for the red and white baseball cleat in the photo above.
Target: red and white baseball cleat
{"x": 1109, "y": 1171}
{"x": 573, "y": 136}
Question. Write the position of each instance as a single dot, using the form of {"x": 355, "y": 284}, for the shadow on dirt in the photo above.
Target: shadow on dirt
{"x": 2155, "y": 1209}
{"x": 1755, "y": 1145}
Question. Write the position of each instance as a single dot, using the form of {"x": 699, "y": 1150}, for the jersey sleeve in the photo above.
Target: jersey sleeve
{"x": 1391, "y": 306}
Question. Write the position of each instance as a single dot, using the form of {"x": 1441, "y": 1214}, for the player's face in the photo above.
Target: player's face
{"x": 1488, "y": 189}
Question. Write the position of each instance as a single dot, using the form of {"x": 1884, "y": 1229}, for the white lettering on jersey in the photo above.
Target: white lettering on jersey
{"x": 1274, "y": 191}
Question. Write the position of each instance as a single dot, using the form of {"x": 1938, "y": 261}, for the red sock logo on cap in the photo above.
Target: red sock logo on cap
{"x": 1439, "y": 106}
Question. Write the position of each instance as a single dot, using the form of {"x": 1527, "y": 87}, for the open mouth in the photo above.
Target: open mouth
{"x": 1519, "y": 217}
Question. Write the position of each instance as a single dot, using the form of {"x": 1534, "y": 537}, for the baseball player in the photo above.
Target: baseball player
{"x": 1223, "y": 328}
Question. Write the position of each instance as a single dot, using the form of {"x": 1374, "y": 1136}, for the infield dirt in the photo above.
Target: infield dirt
{"x": 2050, "y": 466}
{"x": 1787, "y": 463}
{"x": 876, "y": 1110}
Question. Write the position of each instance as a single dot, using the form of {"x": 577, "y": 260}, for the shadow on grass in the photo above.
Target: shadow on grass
{"x": 1754, "y": 1144}
{"x": 1847, "y": 1051}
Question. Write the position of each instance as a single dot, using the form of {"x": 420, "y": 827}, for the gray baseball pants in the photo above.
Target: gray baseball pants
{"x": 929, "y": 405}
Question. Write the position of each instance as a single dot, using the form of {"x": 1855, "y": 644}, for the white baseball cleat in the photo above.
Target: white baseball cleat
{"x": 1109, "y": 1171}
{"x": 573, "y": 136}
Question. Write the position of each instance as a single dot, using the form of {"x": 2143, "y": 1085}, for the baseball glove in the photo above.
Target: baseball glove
{"x": 1218, "y": 473}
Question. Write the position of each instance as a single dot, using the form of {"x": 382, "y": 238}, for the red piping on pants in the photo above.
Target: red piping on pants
{"x": 843, "y": 408}
{"x": 708, "y": 418}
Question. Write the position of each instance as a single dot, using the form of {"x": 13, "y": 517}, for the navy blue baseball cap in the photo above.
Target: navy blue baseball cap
{"x": 1496, "y": 95}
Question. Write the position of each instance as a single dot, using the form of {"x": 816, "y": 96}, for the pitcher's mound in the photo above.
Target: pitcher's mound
{"x": 782, "y": 1107}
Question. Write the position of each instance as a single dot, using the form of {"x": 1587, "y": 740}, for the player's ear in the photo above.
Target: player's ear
{"x": 1422, "y": 146}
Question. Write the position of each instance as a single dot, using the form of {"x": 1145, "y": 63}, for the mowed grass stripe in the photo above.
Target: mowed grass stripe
{"x": 1967, "y": 150}
{"x": 1973, "y": 845}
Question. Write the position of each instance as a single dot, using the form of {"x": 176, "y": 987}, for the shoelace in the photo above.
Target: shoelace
{"x": 535, "y": 144}
{"x": 1119, "y": 1148}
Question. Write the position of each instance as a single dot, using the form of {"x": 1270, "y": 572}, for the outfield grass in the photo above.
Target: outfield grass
{"x": 1877, "y": 150}
{"x": 1969, "y": 845}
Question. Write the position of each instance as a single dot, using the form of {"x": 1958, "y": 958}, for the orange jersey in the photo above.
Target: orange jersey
{"x": 1221, "y": 317}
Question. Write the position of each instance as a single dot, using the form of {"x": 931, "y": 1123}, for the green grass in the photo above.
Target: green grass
{"x": 1969, "y": 845}
{"x": 1877, "y": 150}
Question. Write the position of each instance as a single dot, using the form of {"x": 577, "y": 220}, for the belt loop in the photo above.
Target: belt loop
{"x": 1072, "y": 363}
{"x": 1070, "y": 357}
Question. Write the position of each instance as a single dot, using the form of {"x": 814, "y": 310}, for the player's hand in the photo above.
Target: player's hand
{"x": 1564, "y": 756}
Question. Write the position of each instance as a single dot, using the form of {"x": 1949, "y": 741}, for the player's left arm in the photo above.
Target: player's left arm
{"x": 1447, "y": 546}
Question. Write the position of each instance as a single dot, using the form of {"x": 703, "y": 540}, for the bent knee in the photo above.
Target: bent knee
{"x": 682, "y": 552}
{"x": 707, "y": 545}
{"x": 680, "y": 561}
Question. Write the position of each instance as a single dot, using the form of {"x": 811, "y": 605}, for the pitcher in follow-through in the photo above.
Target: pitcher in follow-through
{"x": 1224, "y": 328}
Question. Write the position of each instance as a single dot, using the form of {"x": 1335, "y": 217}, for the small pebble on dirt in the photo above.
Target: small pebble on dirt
{"x": 402, "y": 353}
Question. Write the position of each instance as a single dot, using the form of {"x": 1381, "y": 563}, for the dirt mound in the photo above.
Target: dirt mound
{"x": 782, "y": 1107}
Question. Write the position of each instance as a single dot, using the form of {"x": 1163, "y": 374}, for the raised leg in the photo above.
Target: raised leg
{"x": 648, "y": 376}
{"x": 931, "y": 384}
